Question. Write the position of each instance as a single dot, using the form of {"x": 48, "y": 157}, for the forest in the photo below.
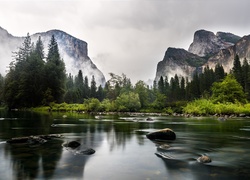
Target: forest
{"x": 38, "y": 81}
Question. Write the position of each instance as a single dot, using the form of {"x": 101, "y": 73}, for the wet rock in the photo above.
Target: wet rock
{"x": 163, "y": 134}
{"x": 88, "y": 151}
{"x": 71, "y": 144}
{"x": 164, "y": 146}
{"x": 31, "y": 139}
{"x": 34, "y": 141}
{"x": 149, "y": 119}
{"x": 204, "y": 159}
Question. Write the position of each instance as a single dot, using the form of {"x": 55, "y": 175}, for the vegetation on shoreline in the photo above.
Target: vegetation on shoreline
{"x": 40, "y": 83}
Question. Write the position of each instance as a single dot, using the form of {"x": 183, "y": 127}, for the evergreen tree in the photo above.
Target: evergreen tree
{"x": 100, "y": 95}
{"x": 86, "y": 87}
{"x": 195, "y": 87}
{"x": 182, "y": 89}
{"x": 24, "y": 51}
{"x": 55, "y": 72}
{"x": 1, "y": 89}
{"x": 39, "y": 48}
{"x": 79, "y": 87}
{"x": 161, "y": 86}
{"x": 219, "y": 72}
{"x": 246, "y": 78}
{"x": 237, "y": 70}
{"x": 93, "y": 88}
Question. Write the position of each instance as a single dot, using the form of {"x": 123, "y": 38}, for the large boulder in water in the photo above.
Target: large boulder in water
{"x": 71, "y": 144}
{"x": 163, "y": 134}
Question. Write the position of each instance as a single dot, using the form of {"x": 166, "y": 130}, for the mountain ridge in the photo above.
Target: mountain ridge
{"x": 210, "y": 49}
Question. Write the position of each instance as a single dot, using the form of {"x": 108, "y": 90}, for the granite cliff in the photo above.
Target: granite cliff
{"x": 207, "y": 48}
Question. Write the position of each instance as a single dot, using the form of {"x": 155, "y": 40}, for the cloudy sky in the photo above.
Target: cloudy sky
{"x": 127, "y": 36}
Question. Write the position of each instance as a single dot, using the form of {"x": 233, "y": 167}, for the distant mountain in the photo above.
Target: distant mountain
{"x": 207, "y": 43}
{"x": 73, "y": 51}
{"x": 206, "y": 49}
{"x": 178, "y": 61}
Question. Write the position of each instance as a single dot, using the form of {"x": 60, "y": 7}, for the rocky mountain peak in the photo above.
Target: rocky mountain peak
{"x": 207, "y": 49}
{"x": 207, "y": 43}
{"x": 228, "y": 37}
{"x": 178, "y": 61}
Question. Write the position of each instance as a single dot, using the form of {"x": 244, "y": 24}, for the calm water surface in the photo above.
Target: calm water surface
{"x": 122, "y": 149}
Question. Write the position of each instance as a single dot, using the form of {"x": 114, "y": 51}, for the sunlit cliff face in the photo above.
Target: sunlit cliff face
{"x": 73, "y": 51}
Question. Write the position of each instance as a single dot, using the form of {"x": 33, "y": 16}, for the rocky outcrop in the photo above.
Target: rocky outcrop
{"x": 206, "y": 43}
{"x": 33, "y": 141}
{"x": 178, "y": 61}
{"x": 225, "y": 57}
{"x": 228, "y": 37}
{"x": 163, "y": 134}
{"x": 73, "y": 51}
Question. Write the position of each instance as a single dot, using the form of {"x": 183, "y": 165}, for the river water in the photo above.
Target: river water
{"x": 122, "y": 149}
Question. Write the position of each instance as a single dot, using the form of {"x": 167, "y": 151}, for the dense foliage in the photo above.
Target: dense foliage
{"x": 37, "y": 80}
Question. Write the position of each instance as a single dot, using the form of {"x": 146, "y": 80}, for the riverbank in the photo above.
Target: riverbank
{"x": 201, "y": 107}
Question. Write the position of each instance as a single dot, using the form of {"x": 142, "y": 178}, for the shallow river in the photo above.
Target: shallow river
{"x": 122, "y": 149}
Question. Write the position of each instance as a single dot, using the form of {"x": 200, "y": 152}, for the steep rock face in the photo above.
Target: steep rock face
{"x": 178, "y": 61}
{"x": 73, "y": 51}
{"x": 206, "y": 49}
{"x": 206, "y": 43}
{"x": 228, "y": 37}
{"x": 225, "y": 57}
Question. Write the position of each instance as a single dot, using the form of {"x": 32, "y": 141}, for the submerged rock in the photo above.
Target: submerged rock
{"x": 164, "y": 146}
{"x": 204, "y": 159}
{"x": 163, "y": 134}
{"x": 74, "y": 147}
{"x": 88, "y": 151}
{"x": 33, "y": 140}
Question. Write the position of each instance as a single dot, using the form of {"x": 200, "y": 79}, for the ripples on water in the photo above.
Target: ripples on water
{"x": 122, "y": 149}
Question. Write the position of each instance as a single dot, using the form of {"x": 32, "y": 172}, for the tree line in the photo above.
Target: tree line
{"x": 35, "y": 80}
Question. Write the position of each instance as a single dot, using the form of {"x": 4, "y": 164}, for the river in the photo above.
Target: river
{"x": 122, "y": 150}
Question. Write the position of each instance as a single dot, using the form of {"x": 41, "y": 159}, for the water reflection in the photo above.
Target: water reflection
{"x": 122, "y": 149}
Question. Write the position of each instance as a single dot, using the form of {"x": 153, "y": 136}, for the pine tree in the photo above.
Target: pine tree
{"x": 55, "y": 71}
{"x": 246, "y": 78}
{"x": 219, "y": 72}
{"x": 237, "y": 69}
{"x": 161, "y": 86}
{"x": 93, "y": 88}
{"x": 79, "y": 87}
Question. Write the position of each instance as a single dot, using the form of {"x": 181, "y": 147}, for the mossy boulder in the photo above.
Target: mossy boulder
{"x": 163, "y": 134}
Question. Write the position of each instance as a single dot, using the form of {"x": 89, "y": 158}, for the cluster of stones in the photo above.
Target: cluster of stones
{"x": 169, "y": 134}
{"x": 34, "y": 141}
{"x": 75, "y": 144}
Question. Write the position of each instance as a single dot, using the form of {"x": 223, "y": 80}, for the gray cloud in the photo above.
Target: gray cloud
{"x": 127, "y": 36}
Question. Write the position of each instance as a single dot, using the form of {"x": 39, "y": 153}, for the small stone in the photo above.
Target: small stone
{"x": 204, "y": 159}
